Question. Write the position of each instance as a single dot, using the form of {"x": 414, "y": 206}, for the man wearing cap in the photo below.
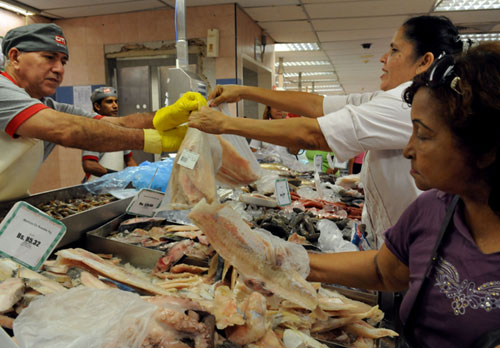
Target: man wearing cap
{"x": 96, "y": 164}
{"x": 32, "y": 123}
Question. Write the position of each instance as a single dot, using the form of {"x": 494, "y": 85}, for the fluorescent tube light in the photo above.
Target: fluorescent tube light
{"x": 466, "y": 5}
{"x": 296, "y": 47}
{"x": 305, "y": 63}
{"x": 15, "y": 9}
{"x": 311, "y": 73}
{"x": 480, "y": 37}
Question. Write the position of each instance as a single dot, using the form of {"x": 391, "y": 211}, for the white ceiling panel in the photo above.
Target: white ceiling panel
{"x": 358, "y": 23}
{"x": 293, "y": 36}
{"x": 264, "y": 14}
{"x": 355, "y": 44}
{"x": 51, "y": 4}
{"x": 340, "y": 54}
{"x": 291, "y": 26}
{"x": 243, "y": 3}
{"x": 301, "y": 56}
{"x": 96, "y": 10}
{"x": 368, "y": 8}
{"x": 479, "y": 20}
{"x": 320, "y": 1}
{"x": 348, "y": 35}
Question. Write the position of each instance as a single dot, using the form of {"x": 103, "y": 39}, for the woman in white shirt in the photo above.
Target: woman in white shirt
{"x": 378, "y": 123}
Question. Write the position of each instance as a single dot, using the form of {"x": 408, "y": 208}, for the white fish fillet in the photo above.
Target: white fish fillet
{"x": 242, "y": 247}
{"x": 189, "y": 186}
{"x": 297, "y": 339}
{"x": 11, "y": 291}
{"x": 364, "y": 329}
{"x": 234, "y": 170}
{"x": 225, "y": 308}
{"x": 109, "y": 270}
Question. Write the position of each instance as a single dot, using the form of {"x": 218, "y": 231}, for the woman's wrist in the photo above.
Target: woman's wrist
{"x": 245, "y": 92}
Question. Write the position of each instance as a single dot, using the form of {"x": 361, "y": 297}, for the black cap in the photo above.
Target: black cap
{"x": 102, "y": 92}
{"x": 34, "y": 38}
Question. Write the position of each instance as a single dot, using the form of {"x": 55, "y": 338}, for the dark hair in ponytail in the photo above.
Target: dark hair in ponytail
{"x": 267, "y": 113}
{"x": 435, "y": 34}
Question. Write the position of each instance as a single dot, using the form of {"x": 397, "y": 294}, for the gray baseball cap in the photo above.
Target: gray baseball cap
{"x": 34, "y": 38}
{"x": 103, "y": 92}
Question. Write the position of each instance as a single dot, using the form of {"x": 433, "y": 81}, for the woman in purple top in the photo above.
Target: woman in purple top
{"x": 454, "y": 150}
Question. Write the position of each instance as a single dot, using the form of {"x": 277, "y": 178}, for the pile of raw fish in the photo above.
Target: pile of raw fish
{"x": 261, "y": 299}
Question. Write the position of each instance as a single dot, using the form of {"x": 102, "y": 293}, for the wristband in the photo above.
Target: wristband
{"x": 152, "y": 141}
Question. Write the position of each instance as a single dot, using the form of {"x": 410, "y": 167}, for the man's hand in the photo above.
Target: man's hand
{"x": 208, "y": 120}
{"x": 173, "y": 115}
{"x": 171, "y": 140}
{"x": 226, "y": 93}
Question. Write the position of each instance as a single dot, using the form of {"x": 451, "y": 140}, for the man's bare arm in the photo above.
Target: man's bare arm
{"x": 139, "y": 120}
{"x": 81, "y": 132}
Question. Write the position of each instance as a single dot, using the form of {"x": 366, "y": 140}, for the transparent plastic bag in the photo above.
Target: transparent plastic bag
{"x": 239, "y": 165}
{"x": 267, "y": 181}
{"x": 192, "y": 180}
{"x": 331, "y": 238}
{"x": 290, "y": 256}
{"x": 85, "y": 318}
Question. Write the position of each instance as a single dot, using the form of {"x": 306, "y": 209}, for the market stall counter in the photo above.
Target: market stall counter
{"x": 76, "y": 207}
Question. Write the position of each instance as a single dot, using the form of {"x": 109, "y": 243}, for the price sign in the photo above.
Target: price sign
{"x": 28, "y": 235}
{"x": 330, "y": 159}
{"x": 145, "y": 202}
{"x": 188, "y": 159}
{"x": 282, "y": 192}
{"x": 318, "y": 163}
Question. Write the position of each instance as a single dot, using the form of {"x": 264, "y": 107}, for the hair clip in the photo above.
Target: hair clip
{"x": 454, "y": 83}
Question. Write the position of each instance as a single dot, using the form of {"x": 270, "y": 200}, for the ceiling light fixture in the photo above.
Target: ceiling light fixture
{"x": 305, "y": 63}
{"x": 481, "y": 37}
{"x": 317, "y": 84}
{"x": 311, "y": 73}
{"x": 329, "y": 89}
{"x": 320, "y": 80}
{"x": 336, "y": 89}
{"x": 466, "y": 5}
{"x": 296, "y": 47}
{"x": 15, "y": 9}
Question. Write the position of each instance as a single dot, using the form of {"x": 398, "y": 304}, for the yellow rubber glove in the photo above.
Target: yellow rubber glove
{"x": 172, "y": 139}
{"x": 168, "y": 141}
{"x": 173, "y": 115}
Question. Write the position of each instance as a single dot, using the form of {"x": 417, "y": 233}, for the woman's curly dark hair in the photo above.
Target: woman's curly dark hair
{"x": 473, "y": 115}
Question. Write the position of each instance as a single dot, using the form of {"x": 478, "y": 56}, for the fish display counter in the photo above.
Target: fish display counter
{"x": 233, "y": 275}
{"x": 78, "y": 209}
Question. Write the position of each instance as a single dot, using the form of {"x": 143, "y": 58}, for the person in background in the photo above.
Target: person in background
{"x": 269, "y": 114}
{"x": 96, "y": 164}
{"x": 32, "y": 123}
{"x": 285, "y": 155}
{"x": 452, "y": 294}
{"x": 325, "y": 166}
{"x": 378, "y": 123}
{"x": 356, "y": 163}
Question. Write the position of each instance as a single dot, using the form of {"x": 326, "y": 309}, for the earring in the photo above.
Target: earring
{"x": 454, "y": 83}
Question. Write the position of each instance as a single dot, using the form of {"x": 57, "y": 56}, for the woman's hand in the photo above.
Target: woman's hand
{"x": 226, "y": 93}
{"x": 208, "y": 120}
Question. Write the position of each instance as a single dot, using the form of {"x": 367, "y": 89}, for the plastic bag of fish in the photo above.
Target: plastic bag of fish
{"x": 98, "y": 318}
{"x": 203, "y": 161}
